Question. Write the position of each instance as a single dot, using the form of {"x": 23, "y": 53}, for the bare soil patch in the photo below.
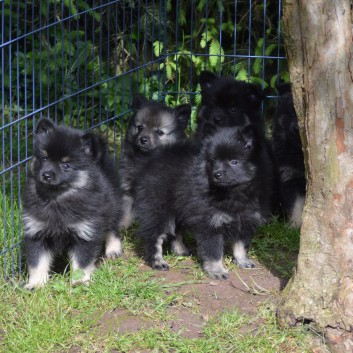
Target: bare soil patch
{"x": 201, "y": 300}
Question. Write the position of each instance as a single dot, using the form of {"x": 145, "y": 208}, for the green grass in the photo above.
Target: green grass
{"x": 276, "y": 246}
{"x": 59, "y": 317}
{"x": 10, "y": 225}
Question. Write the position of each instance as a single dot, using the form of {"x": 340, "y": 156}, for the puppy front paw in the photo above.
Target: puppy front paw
{"x": 215, "y": 269}
{"x": 179, "y": 248}
{"x": 160, "y": 265}
{"x": 244, "y": 263}
{"x": 218, "y": 275}
{"x": 37, "y": 282}
{"x": 113, "y": 247}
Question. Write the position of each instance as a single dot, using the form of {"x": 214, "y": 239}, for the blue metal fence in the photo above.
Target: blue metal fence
{"x": 80, "y": 62}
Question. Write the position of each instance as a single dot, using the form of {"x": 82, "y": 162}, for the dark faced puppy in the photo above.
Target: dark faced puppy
{"x": 227, "y": 102}
{"x": 152, "y": 125}
{"x": 221, "y": 194}
{"x": 69, "y": 202}
{"x": 289, "y": 156}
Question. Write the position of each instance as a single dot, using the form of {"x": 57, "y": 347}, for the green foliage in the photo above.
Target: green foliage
{"x": 220, "y": 44}
{"x": 62, "y": 62}
{"x": 82, "y": 64}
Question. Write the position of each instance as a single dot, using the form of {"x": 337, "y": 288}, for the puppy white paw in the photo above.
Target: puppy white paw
{"x": 179, "y": 248}
{"x": 31, "y": 285}
{"x": 244, "y": 263}
{"x": 113, "y": 247}
{"x": 218, "y": 275}
{"x": 215, "y": 269}
{"x": 113, "y": 254}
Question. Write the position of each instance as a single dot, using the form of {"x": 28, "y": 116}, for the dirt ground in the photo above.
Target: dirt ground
{"x": 244, "y": 290}
{"x": 199, "y": 301}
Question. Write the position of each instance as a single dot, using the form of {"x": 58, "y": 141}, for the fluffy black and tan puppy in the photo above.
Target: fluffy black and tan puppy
{"x": 221, "y": 193}
{"x": 151, "y": 126}
{"x": 70, "y": 202}
{"x": 287, "y": 148}
{"x": 227, "y": 102}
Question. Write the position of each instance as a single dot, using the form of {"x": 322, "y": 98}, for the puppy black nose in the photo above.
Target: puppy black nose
{"x": 218, "y": 120}
{"x": 47, "y": 176}
{"x": 144, "y": 140}
{"x": 217, "y": 175}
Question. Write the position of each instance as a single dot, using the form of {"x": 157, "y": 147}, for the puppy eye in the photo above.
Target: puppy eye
{"x": 233, "y": 162}
{"x": 160, "y": 132}
{"x": 232, "y": 109}
{"x": 66, "y": 166}
{"x": 43, "y": 159}
{"x": 139, "y": 127}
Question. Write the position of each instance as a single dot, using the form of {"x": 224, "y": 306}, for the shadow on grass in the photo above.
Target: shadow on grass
{"x": 276, "y": 246}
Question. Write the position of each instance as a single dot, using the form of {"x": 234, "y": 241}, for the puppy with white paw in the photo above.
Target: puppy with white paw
{"x": 70, "y": 203}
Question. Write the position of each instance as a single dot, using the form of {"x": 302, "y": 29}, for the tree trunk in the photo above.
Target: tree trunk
{"x": 319, "y": 43}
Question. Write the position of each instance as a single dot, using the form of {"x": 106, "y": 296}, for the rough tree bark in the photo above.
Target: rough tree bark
{"x": 319, "y": 43}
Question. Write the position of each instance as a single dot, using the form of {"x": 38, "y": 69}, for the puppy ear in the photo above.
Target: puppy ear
{"x": 283, "y": 88}
{"x": 249, "y": 136}
{"x": 256, "y": 94}
{"x": 208, "y": 132}
{"x": 206, "y": 79}
{"x": 93, "y": 146}
{"x": 208, "y": 129}
{"x": 44, "y": 126}
{"x": 182, "y": 113}
{"x": 138, "y": 102}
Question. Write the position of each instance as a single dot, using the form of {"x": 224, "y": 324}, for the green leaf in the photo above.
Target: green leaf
{"x": 270, "y": 49}
{"x": 182, "y": 17}
{"x": 69, "y": 4}
{"x": 198, "y": 98}
{"x": 285, "y": 76}
{"x": 258, "y": 81}
{"x": 216, "y": 53}
{"x": 111, "y": 100}
{"x": 205, "y": 38}
{"x": 240, "y": 66}
{"x": 273, "y": 81}
{"x": 158, "y": 48}
{"x": 103, "y": 128}
{"x": 172, "y": 65}
{"x": 242, "y": 75}
{"x": 259, "y": 47}
{"x": 228, "y": 27}
{"x": 260, "y": 43}
{"x": 257, "y": 66}
{"x": 215, "y": 47}
{"x": 82, "y": 55}
{"x": 168, "y": 70}
{"x": 201, "y": 5}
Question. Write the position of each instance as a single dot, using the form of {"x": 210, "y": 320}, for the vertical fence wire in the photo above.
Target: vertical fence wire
{"x": 80, "y": 63}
